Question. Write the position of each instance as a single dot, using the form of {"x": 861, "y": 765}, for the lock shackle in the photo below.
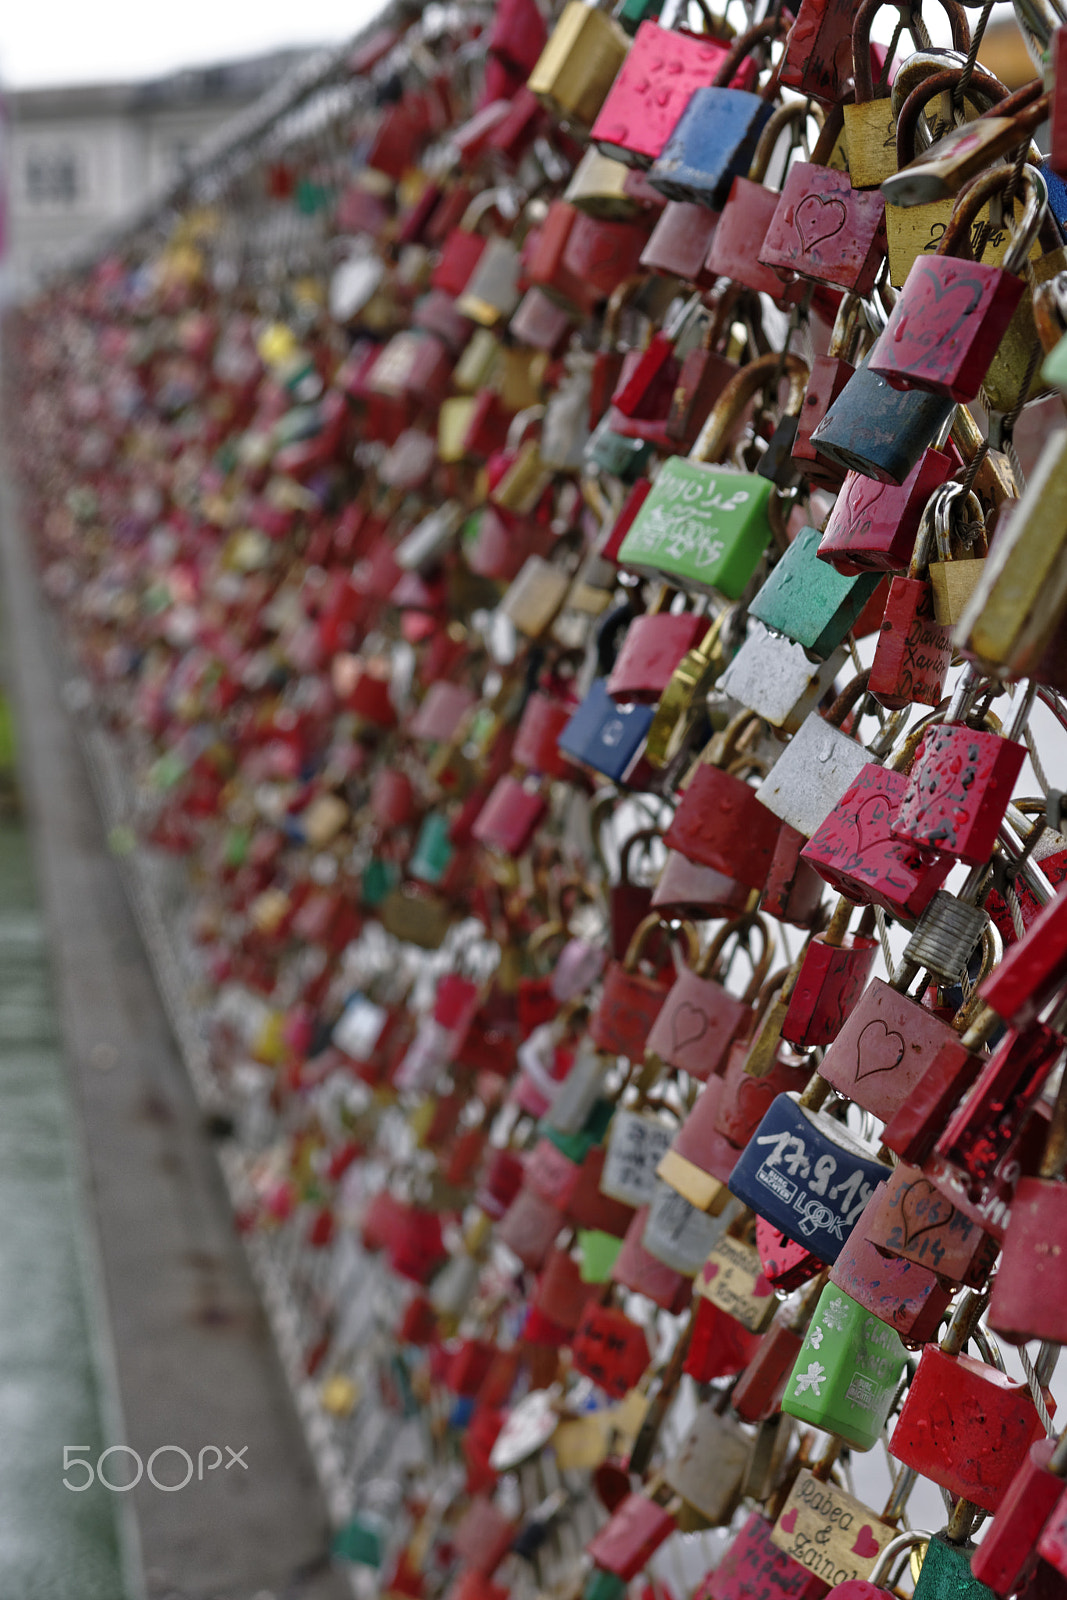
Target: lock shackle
{"x": 981, "y": 87}
{"x": 850, "y": 324}
{"x": 758, "y": 375}
{"x": 652, "y": 924}
{"x": 973, "y": 196}
{"x": 739, "y": 928}
{"x": 500, "y": 199}
{"x": 886, "y": 1565}
{"x": 849, "y": 697}
{"x": 781, "y": 118}
{"x": 941, "y": 517}
{"x": 642, "y": 836}
{"x": 773, "y": 27}
{"x": 924, "y": 540}
{"x": 861, "y": 39}
{"x": 521, "y": 424}
{"x": 725, "y": 746}
{"x": 919, "y": 66}
{"x": 618, "y": 300}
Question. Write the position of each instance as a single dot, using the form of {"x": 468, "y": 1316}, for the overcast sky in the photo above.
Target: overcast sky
{"x": 72, "y": 41}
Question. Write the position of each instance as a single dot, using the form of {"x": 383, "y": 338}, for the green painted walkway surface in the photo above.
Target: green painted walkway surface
{"x": 54, "y": 1544}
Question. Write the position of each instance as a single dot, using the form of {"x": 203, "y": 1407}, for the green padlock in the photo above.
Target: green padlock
{"x": 608, "y": 451}
{"x": 601, "y": 1585}
{"x": 632, "y": 13}
{"x": 361, "y": 1541}
{"x": 847, "y": 1372}
{"x": 946, "y": 1572}
{"x": 1054, "y": 371}
{"x": 808, "y": 600}
{"x": 433, "y": 850}
{"x": 379, "y": 879}
{"x": 598, "y": 1253}
{"x": 704, "y": 526}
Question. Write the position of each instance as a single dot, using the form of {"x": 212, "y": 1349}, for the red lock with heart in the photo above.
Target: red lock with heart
{"x": 701, "y": 1018}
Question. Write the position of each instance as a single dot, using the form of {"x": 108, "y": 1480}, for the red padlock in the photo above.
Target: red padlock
{"x": 833, "y": 973}
{"x": 631, "y": 999}
{"x": 700, "y": 1018}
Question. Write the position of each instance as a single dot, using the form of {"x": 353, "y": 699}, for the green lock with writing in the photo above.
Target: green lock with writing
{"x": 705, "y": 525}
{"x": 810, "y": 601}
{"x": 847, "y": 1372}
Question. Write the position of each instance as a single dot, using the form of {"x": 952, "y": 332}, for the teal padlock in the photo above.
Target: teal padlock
{"x": 608, "y": 451}
{"x": 808, "y": 600}
{"x": 946, "y": 1572}
{"x": 847, "y": 1372}
{"x": 433, "y": 850}
{"x": 1054, "y": 371}
{"x": 705, "y": 525}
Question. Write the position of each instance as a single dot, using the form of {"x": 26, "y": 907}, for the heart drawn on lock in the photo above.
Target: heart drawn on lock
{"x": 789, "y": 1521}
{"x": 917, "y": 330}
{"x": 818, "y": 218}
{"x": 866, "y": 1545}
{"x": 878, "y": 1049}
{"x": 708, "y": 1271}
{"x": 923, "y": 1209}
{"x": 688, "y": 1026}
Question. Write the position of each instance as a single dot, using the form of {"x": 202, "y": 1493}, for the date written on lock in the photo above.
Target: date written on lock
{"x": 830, "y": 1532}
{"x": 809, "y": 1189}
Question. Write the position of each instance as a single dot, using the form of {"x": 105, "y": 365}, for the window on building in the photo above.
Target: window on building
{"x": 52, "y": 177}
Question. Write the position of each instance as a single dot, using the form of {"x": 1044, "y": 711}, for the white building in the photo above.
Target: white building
{"x": 80, "y": 159}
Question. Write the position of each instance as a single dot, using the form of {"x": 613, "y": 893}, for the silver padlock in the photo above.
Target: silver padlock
{"x": 679, "y": 1235}
{"x": 709, "y": 1467}
{"x": 945, "y": 937}
{"x": 817, "y": 766}
{"x": 778, "y": 679}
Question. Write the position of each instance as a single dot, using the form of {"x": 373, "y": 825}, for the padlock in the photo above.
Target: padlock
{"x": 808, "y": 601}
{"x": 889, "y": 1044}
{"x": 834, "y": 971}
{"x": 793, "y": 891}
{"x": 700, "y": 1019}
{"x": 846, "y": 1375}
{"x": 705, "y": 528}
{"x": 914, "y": 650}
{"x": 679, "y": 243}
{"x": 777, "y": 679}
{"x": 631, "y": 1000}
{"x": 653, "y": 646}
{"x": 719, "y": 1347}
{"x": 677, "y": 1234}
{"x": 661, "y": 71}
{"x": 908, "y": 1297}
{"x": 708, "y": 1467}
{"x": 855, "y": 850}
{"x": 786, "y": 1264}
{"x": 716, "y": 134}
{"x": 806, "y": 1173}
{"x": 912, "y": 231}
{"x": 702, "y": 377}
{"x": 629, "y": 901}
{"x": 579, "y": 63}
{"x": 818, "y": 55}
{"x": 732, "y": 1276}
{"x": 912, "y": 1219}
{"x": 686, "y": 889}
{"x": 754, "y": 1565}
{"x": 1027, "y": 1300}
{"x": 874, "y": 525}
{"x": 700, "y": 1158}
{"x": 637, "y": 1269}
{"x": 747, "y": 214}
{"x": 993, "y": 1420}
{"x": 959, "y": 788}
{"x": 963, "y": 153}
{"x": 832, "y": 1532}
{"x": 610, "y": 355}
{"x": 829, "y": 374}
{"x": 635, "y": 1531}
{"x": 1008, "y": 1554}
{"x": 878, "y": 431}
{"x": 610, "y": 1348}
{"x": 605, "y": 736}
{"x": 951, "y": 316}
{"x": 817, "y": 766}
{"x": 825, "y": 231}
{"x": 720, "y": 823}
{"x": 758, "y": 1392}
{"x": 1019, "y": 600}
{"x": 579, "y": 260}
{"x": 637, "y": 1139}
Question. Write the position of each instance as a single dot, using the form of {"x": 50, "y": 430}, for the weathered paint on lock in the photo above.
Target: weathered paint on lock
{"x": 914, "y": 650}
{"x": 713, "y": 143}
{"x": 879, "y": 431}
{"x": 720, "y": 823}
{"x": 908, "y": 1298}
{"x": 808, "y": 601}
{"x": 856, "y": 852}
{"x": 827, "y": 231}
{"x": 943, "y": 330}
{"x": 753, "y": 1565}
{"x": 847, "y": 1372}
{"x": 830, "y": 982}
{"x": 663, "y": 69}
{"x": 885, "y": 1049}
{"x": 874, "y": 524}
{"x": 958, "y": 792}
{"x": 911, "y": 1218}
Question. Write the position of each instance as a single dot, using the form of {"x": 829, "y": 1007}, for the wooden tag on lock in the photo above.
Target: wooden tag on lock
{"x": 830, "y": 1532}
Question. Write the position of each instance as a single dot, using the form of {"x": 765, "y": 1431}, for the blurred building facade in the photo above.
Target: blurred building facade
{"x": 80, "y": 159}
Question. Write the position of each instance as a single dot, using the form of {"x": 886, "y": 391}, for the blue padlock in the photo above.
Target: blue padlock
{"x": 807, "y": 1175}
{"x": 713, "y": 143}
{"x": 605, "y": 735}
{"x": 879, "y": 431}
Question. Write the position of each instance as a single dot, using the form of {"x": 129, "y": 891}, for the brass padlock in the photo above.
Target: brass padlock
{"x": 953, "y": 580}
{"x": 579, "y": 63}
